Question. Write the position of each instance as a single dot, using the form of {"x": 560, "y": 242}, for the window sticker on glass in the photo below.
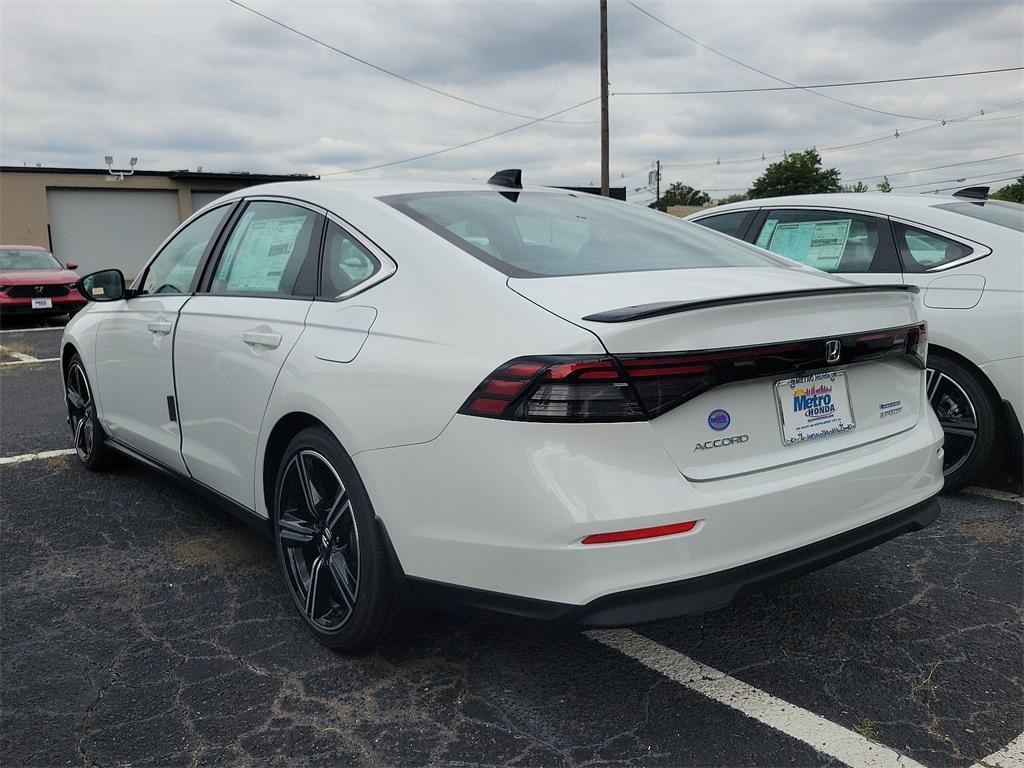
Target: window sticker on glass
{"x": 263, "y": 253}
{"x": 817, "y": 244}
{"x": 766, "y": 234}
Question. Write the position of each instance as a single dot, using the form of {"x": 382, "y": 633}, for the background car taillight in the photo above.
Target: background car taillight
{"x": 641, "y": 387}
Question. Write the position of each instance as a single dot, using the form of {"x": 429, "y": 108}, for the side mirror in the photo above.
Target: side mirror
{"x": 72, "y": 265}
{"x": 105, "y": 285}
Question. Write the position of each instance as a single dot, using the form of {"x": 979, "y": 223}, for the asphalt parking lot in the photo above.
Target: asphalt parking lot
{"x": 141, "y": 626}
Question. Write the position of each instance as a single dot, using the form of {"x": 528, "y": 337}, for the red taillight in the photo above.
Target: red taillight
{"x": 574, "y": 388}
{"x": 639, "y": 533}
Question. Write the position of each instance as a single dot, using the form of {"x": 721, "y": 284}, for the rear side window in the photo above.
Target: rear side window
{"x": 346, "y": 263}
{"x": 832, "y": 241}
{"x": 539, "y": 234}
{"x": 923, "y": 250}
{"x": 266, "y": 250}
{"x": 734, "y": 223}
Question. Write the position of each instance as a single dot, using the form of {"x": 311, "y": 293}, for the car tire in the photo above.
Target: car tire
{"x": 333, "y": 553}
{"x": 90, "y": 440}
{"x": 969, "y": 419}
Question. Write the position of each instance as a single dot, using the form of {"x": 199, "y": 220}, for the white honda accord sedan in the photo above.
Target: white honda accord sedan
{"x": 533, "y": 401}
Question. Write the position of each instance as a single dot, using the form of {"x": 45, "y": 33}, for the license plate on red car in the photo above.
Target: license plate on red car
{"x": 42, "y": 303}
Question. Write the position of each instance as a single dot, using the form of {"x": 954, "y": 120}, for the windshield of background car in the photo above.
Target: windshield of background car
{"x": 13, "y": 258}
{"x": 542, "y": 234}
{"x": 993, "y": 211}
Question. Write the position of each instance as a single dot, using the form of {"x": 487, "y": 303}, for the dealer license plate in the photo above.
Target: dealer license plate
{"x": 42, "y": 303}
{"x": 814, "y": 406}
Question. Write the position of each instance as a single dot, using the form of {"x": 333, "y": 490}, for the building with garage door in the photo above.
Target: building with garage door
{"x": 91, "y": 217}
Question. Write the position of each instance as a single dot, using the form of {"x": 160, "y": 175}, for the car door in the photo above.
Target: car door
{"x": 136, "y": 337}
{"x": 233, "y": 337}
{"x": 856, "y": 246}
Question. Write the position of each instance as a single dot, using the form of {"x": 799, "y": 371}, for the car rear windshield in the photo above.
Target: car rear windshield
{"x": 542, "y": 234}
{"x": 29, "y": 258}
{"x": 993, "y": 211}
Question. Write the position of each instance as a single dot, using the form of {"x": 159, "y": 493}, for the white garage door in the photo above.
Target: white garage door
{"x": 199, "y": 199}
{"x": 104, "y": 228}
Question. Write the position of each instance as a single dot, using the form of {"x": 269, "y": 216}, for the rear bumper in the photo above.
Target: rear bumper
{"x": 696, "y": 595}
{"x": 502, "y": 507}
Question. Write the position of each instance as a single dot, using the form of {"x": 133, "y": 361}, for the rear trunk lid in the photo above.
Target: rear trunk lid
{"x": 771, "y": 401}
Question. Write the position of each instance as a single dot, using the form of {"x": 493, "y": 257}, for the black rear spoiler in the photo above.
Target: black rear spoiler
{"x": 656, "y": 309}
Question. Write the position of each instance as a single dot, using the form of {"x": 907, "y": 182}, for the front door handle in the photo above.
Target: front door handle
{"x": 262, "y": 339}
{"x": 161, "y": 327}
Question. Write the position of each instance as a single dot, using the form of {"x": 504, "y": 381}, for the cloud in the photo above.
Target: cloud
{"x": 207, "y": 83}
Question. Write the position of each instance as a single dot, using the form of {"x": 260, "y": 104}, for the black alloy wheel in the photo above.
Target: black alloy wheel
{"x": 343, "y": 577}
{"x": 968, "y": 418}
{"x": 89, "y": 440}
{"x": 319, "y": 540}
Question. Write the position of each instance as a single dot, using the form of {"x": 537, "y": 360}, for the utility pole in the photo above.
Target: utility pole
{"x": 657, "y": 181}
{"x": 604, "y": 98}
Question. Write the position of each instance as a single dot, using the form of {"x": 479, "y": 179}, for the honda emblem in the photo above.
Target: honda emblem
{"x": 832, "y": 350}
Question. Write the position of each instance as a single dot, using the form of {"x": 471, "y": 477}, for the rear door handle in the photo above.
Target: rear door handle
{"x": 161, "y": 327}
{"x": 262, "y": 339}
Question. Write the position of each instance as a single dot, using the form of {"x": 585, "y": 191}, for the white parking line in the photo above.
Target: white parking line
{"x": 992, "y": 493}
{"x": 32, "y": 330}
{"x": 815, "y": 731}
{"x": 35, "y": 456}
{"x": 29, "y": 359}
{"x": 1010, "y": 756}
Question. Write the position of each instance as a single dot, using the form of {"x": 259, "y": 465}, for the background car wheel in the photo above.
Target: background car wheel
{"x": 333, "y": 557}
{"x": 968, "y": 417}
{"x": 89, "y": 440}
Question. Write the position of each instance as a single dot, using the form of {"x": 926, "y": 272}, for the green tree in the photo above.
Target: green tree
{"x": 798, "y": 174}
{"x": 680, "y": 194}
{"x": 1013, "y": 193}
{"x": 860, "y": 186}
{"x": 884, "y": 185}
{"x": 737, "y": 198}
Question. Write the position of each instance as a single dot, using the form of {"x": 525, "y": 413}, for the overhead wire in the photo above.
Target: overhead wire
{"x": 817, "y": 85}
{"x": 397, "y": 75}
{"x": 769, "y": 75}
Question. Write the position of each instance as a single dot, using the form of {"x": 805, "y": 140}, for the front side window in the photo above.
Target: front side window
{"x": 539, "y": 234}
{"x": 173, "y": 269}
{"x": 923, "y": 250}
{"x": 829, "y": 240}
{"x": 346, "y": 263}
{"x": 28, "y": 258}
{"x": 727, "y": 223}
{"x": 266, "y": 250}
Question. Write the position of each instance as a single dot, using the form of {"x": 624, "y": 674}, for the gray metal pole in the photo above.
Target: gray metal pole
{"x": 604, "y": 97}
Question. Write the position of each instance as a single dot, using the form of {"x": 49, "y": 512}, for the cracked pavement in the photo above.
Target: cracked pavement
{"x": 140, "y": 625}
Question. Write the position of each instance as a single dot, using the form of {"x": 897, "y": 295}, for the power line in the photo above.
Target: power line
{"x": 394, "y": 74}
{"x": 464, "y": 144}
{"x": 973, "y": 118}
{"x": 965, "y": 178}
{"x": 817, "y": 85}
{"x": 982, "y": 181}
{"x": 782, "y": 80}
{"x": 936, "y": 167}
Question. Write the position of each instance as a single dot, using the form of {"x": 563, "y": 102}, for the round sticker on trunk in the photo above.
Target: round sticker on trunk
{"x": 719, "y": 419}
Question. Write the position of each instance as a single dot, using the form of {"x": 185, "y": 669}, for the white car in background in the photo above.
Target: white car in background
{"x": 967, "y": 257}
{"x": 536, "y": 401}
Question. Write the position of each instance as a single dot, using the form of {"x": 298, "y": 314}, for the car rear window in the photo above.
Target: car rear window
{"x": 1004, "y": 214}
{"x": 541, "y": 234}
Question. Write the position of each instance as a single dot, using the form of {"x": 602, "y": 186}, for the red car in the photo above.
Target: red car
{"x": 33, "y": 282}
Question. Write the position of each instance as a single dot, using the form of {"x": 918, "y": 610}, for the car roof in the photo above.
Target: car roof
{"x": 325, "y": 191}
{"x": 872, "y": 202}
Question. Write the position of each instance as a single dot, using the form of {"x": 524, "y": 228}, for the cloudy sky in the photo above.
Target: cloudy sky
{"x": 210, "y": 84}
